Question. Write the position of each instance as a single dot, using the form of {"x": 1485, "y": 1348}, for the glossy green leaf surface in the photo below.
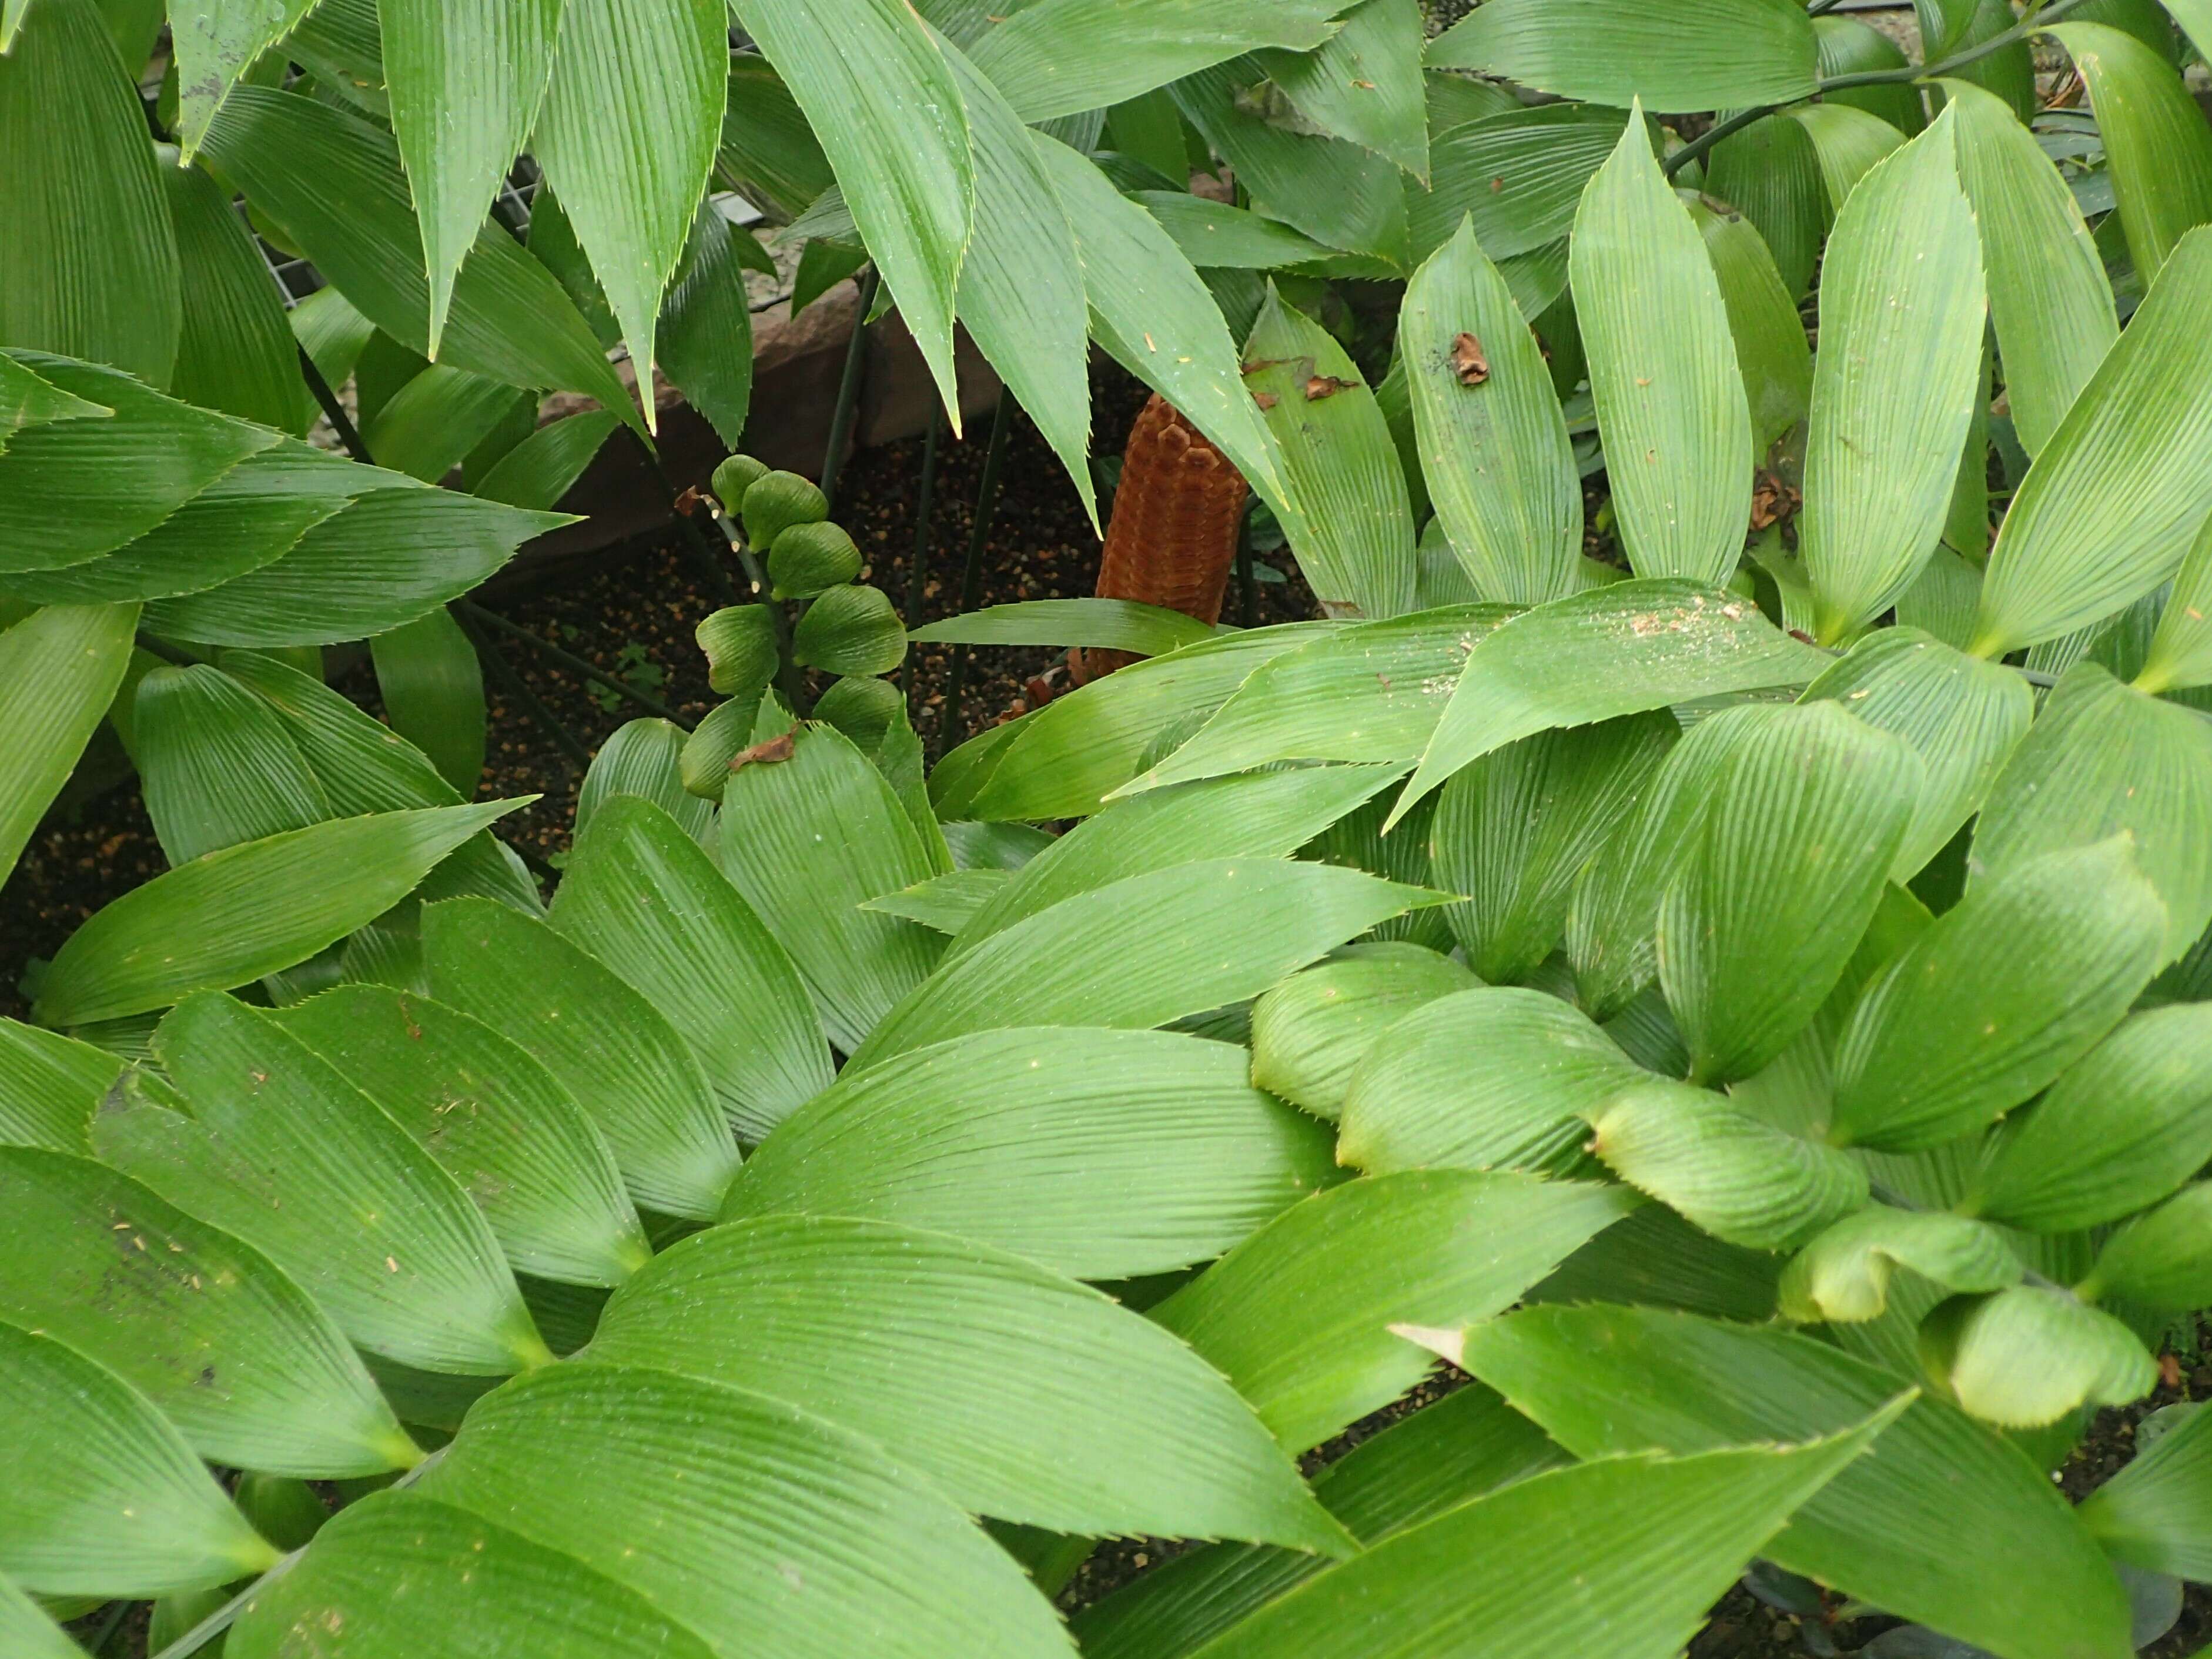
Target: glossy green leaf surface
{"x": 1692, "y": 56}
{"x": 1365, "y": 81}
{"x": 432, "y": 686}
{"x": 1843, "y": 1275}
{"x": 48, "y": 1087}
{"x": 2158, "y": 151}
{"x": 1770, "y": 350}
{"x": 1310, "y": 1031}
{"x": 1146, "y": 630}
{"x": 234, "y": 351}
{"x": 2153, "y": 1514}
{"x": 59, "y": 669}
{"x": 215, "y": 764}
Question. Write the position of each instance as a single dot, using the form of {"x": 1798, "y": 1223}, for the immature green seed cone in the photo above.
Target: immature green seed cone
{"x": 850, "y": 630}
{"x": 777, "y": 501}
{"x": 735, "y": 477}
{"x": 739, "y": 641}
{"x": 809, "y": 558}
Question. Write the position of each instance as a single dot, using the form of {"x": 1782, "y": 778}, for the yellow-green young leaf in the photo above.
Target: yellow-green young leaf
{"x": 334, "y": 183}
{"x": 2123, "y": 1126}
{"x": 498, "y": 1121}
{"x": 1298, "y": 1316}
{"x": 1771, "y": 173}
{"x": 632, "y": 117}
{"x": 764, "y": 1492}
{"x": 1364, "y": 82}
{"x": 1516, "y": 172}
{"x": 2049, "y": 297}
{"x": 2027, "y": 1356}
{"x": 850, "y": 629}
{"x": 1609, "y": 651}
{"x": 1894, "y": 385}
{"x": 1664, "y": 371}
{"x": 104, "y": 1496}
{"x": 236, "y": 914}
{"x": 1962, "y": 716}
{"x": 1102, "y": 1155}
{"x": 1146, "y": 950}
{"x": 59, "y": 669}
{"x": 1693, "y": 55}
{"x": 1371, "y": 692}
{"x": 1353, "y": 534}
{"x": 235, "y": 351}
{"x": 1144, "y": 631}
{"x": 1487, "y": 1079}
{"x": 887, "y": 109}
{"x": 1771, "y": 348}
{"x": 1514, "y": 831}
{"x": 1997, "y": 997}
{"x": 1493, "y": 442}
{"x": 204, "y": 1326}
{"x": 465, "y": 81}
{"x": 2115, "y": 499}
{"x": 2103, "y": 759}
{"x": 2162, "y": 1261}
{"x": 642, "y": 897}
{"x": 2180, "y": 657}
{"x": 1781, "y": 880}
{"x": 1310, "y": 1031}
{"x": 928, "y": 1346}
{"x": 215, "y": 764}
{"x": 432, "y": 685}
{"x": 110, "y": 293}
{"x": 2155, "y": 142}
{"x": 1848, "y": 47}
{"x": 1912, "y": 1528}
{"x": 1843, "y": 1275}
{"x": 49, "y": 1086}
{"x": 2156, "y": 1513}
{"x": 1736, "y": 1176}
{"x": 1848, "y": 143}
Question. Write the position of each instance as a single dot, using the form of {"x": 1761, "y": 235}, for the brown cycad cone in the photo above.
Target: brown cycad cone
{"x": 1172, "y": 540}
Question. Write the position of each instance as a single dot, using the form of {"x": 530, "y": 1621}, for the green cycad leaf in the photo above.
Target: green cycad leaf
{"x": 644, "y": 757}
{"x": 2161, "y": 1262}
{"x": 928, "y": 1345}
{"x": 281, "y": 1145}
{"x": 1063, "y": 57}
{"x": 48, "y": 1087}
{"x": 1298, "y": 1316}
{"x": 1102, "y": 1155}
{"x": 88, "y": 1452}
{"x": 1517, "y": 173}
{"x": 1622, "y": 1557}
{"x": 111, "y": 295}
{"x": 641, "y": 896}
{"x": 1145, "y": 630}
{"x": 2049, "y": 297}
{"x": 215, "y": 764}
{"x": 1848, "y": 46}
{"x": 2115, "y": 500}
{"x": 1847, "y": 143}
{"x": 430, "y": 425}
{"x": 1962, "y": 716}
{"x": 1493, "y": 443}
{"x": 1610, "y": 651}
{"x": 1690, "y": 56}
{"x": 1372, "y": 692}
{"x": 2028, "y": 1356}
{"x": 378, "y": 1571}
{"x": 1251, "y": 815}
{"x": 2155, "y": 143}
{"x": 1514, "y": 831}
{"x": 207, "y": 1327}
{"x": 633, "y": 114}
{"x": 1996, "y": 998}
{"x": 2180, "y": 656}
{"x": 1781, "y": 881}
{"x": 59, "y": 669}
{"x": 1353, "y": 535}
{"x": 236, "y": 352}
{"x": 1309, "y": 1032}
{"x": 26, "y": 400}
{"x": 1364, "y": 82}
{"x": 708, "y": 1502}
{"x": 465, "y": 81}
{"x": 28, "y": 1630}
{"x": 2123, "y": 1126}
{"x": 498, "y": 1121}
{"x": 1146, "y": 950}
{"x": 887, "y": 109}
{"x": 1843, "y": 1275}
{"x": 850, "y": 629}
{"x": 2103, "y": 758}
{"x": 1664, "y": 371}
{"x": 1770, "y": 172}
{"x": 1912, "y": 1529}
{"x": 616, "y": 1057}
{"x": 1771, "y": 348}
{"x": 1893, "y": 386}
{"x": 539, "y": 470}
{"x": 806, "y": 841}
{"x": 432, "y": 685}
{"x": 216, "y": 45}
{"x": 2156, "y": 1513}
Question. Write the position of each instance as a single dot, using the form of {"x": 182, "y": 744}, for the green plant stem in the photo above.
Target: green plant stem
{"x": 686, "y": 529}
{"x": 341, "y": 422}
{"x": 917, "y": 577}
{"x": 847, "y": 407}
{"x": 971, "y": 574}
{"x": 117, "y": 1611}
{"x": 570, "y": 662}
{"x": 532, "y": 705}
{"x": 1704, "y": 141}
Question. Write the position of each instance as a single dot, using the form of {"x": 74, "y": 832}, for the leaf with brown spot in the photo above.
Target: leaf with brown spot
{"x": 1319, "y": 386}
{"x": 767, "y": 753}
{"x": 1467, "y": 361}
{"x": 1266, "y": 400}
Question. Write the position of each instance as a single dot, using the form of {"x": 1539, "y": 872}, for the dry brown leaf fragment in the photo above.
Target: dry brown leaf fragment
{"x": 1467, "y": 361}
{"x": 1319, "y": 386}
{"x": 1266, "y": 399}
{"x": 767, "y": 753}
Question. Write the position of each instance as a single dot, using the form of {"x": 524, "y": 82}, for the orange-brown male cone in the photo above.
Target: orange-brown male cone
{"x": 1172, "y": 540}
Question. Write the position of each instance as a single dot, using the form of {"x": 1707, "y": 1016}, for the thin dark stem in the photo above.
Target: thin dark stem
{"x": 117, "y": 1612}
{"x": 1820, "y": 6}
{"x": 693, "y": 538}
{"x": 532, "y": 705}
{"x": 971, "y": 574}
{"x": 341, "y": 422}
{"x": 537, "y": 865}
{"x": 168, "y": 653}
{"x": 847, "y": 407}
{"x": 1248, "y": 585}
{"x": 570, "y": 660}
{"x": 917, "y": 578}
